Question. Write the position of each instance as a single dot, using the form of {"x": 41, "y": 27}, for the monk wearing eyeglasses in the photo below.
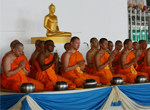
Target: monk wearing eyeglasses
{"x": 47, "y": 66}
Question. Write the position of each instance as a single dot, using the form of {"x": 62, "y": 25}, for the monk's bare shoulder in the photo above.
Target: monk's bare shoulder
{"x": 90, "y": 53}
{"x": 99, "y": 53}
{"x": 41, "y": 54}
{"x": 8, "y": 57}
{"x": 67, "y": 54}
{"x": 148, "y": 50}
{"x": 115, "y": 52}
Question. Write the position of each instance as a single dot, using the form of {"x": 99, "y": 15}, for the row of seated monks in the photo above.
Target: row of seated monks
{"x": 42, "y": 68}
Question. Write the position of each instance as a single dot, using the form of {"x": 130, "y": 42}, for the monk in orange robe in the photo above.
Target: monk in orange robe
{"x": 67, "y": 47}
{"x": 115, "y": 63}
{"x": 35, "y": 52}
{"x": 103, "y": 62}
{"x": 11, "y": 47}
{"x": 33, "y": 70}
{"x": 110, "y": 47}
{"x": 47, "y": 67}
{"x": 73, "y": 64}
{"x": 146, "y": 63}
{"x": 141, "y": 53}
{"x": 136, "y": 47}
{"x": 127, "y": 63}
{"x": 90, "y": 55}
{"x": 15, "y": 70}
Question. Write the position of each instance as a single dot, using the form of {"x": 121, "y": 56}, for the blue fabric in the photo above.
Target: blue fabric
{"x": 8, "y": 101}
{"x": 138, "y": 93}
{"x": 116, "y": 103}
{"x": 73, "y": 101}
{"x": 25, "y": 105}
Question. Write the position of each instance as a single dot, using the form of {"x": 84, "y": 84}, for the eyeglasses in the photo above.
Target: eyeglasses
{"x": 51, "y": 45}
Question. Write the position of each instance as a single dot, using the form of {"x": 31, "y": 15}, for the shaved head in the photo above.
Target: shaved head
{"x": 47, "y": 42}
{"x": 16, "y": 45}
{"x": 118, "y": 42}
{"x": 92, "y": 39}
{"x": 102, "y": 40}
{"x": 74, "y": 38}
{"x": 41, "y": 43}
{"x": 13, "y": 42}
{"x": 37, "y": 42}
{"x": 127, "y": 41}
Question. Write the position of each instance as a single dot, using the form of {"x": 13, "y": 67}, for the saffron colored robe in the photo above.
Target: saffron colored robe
{"x": 139, "y": 66}
{"x": 145, "y": 67}
{"x": 13, "y": 82}
{"x": 130, "y": 72}
{"x": 76, "y": 75}
{"x": 105, "y": 73}
{"x": 49, "y": 77}
{"x": 32, "y": 72}
{"x": 115, "y": 68}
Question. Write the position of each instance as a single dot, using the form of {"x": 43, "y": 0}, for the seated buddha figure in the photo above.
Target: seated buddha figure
{"x": 51, "y": 24}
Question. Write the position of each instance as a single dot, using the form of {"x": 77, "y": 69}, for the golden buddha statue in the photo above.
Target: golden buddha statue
{"x": 51, "y": 24}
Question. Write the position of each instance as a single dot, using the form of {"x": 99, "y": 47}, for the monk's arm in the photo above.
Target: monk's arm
{"x": 89, "y": 60}
{"x": 115, "y": 63}
{"x": 137, "y": 54}
{"x": 45, "y": 23}
{"x": 41, "y": 61}
{"x": 123, "y": 61}
{"x": 7, "y": 67}
{"x": 56, "y": 67}
{"x": 97, "y": 62}
{"x": 148, "y": 57}
{"x": 66, "y": 63}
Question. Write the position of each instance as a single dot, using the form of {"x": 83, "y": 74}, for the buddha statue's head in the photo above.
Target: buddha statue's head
{"x": 52, "y": 8}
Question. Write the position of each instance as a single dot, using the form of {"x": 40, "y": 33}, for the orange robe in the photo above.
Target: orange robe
{"x": 117, "y": 58}
{"x": 49, "y": 77}
{"x": 76, "y": 75}
{"x": 105, "y": 73}
{"x": 115, "y": 73}
{"x": 130, "y": 72}
{"x": 145, "y": 67}
{"x": 139, "y": 67}
{"x": 20, "y": 58}
{"x": 30, "y": 61}
{"x": 33, "y": 71}
{"x": 13, "y": 82}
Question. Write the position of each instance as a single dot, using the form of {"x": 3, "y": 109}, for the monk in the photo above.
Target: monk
{"x": 115, "y": 63}
{"x": 141, "y": 53}
{"x": 35, "y": 52}
{"x": 20, "y": 58}
{"x": 90, "y": 55}
{"x": 67, "y": 47}
{"x": 73, "y": 64}
{"x": 110, "y": 47}
{"x": 47, "y": 68}
{"x": 127, "y": 63}
{"x": 14, "y": 70}
{"x": 103, "y": 62}
{"x": 135, "y": 47}
{"x": 146, "y": 63}
{"x": 33, "y": 69}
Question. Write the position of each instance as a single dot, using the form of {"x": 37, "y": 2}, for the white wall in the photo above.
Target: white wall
{"x": 23, "y": 19}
